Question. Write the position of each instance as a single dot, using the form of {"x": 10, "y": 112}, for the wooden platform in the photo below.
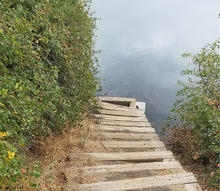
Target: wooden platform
{"x": 124, "y": 128}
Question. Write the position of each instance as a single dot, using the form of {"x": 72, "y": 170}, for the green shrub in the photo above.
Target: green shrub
{"x": 197, "y": 111}
{"x": 47, "y": 73}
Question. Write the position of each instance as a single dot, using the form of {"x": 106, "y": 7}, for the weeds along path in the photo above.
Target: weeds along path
{"x": 128, "y": 154}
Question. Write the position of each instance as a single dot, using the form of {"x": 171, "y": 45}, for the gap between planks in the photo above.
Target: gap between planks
{"x": 122, "y": 113}
{"x": 124, "y": 123}
{"x": 128, "y": 136}
{"x": 120, "y": 118}
{"x": 133, "y": 144}
{"x": 125, "y": 129}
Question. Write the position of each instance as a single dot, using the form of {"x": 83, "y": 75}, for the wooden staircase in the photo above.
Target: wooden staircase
{"x": 135, "y": 147}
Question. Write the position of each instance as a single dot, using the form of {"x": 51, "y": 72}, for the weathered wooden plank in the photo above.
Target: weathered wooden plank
{"x": 129, "y": 113}
{"x": 125, "y": 129}
{"x": 124, "y": 123}
{"x": 128, "y": 102}
{"x": 139, "y": 183}
{"x": 114, "y": 107}
{"x": 131, "y": 167}
{"x": 193, "y": 187}
{"x": 119, "y": 118}
{"x": 117, "y": 99}
{"x": 126, "y": 156}
{"x": 130, "y": 136}
{"x": 132, "y": 144}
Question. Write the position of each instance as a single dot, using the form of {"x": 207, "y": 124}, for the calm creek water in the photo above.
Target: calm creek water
{"x": 142, "y": 42}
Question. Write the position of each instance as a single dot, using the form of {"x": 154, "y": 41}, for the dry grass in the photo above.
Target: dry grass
{"x": 180, "y": 141}
{"x": 53, "y": 154}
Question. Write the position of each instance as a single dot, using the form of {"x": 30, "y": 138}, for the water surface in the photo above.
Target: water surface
{"x": 142, "y": 42}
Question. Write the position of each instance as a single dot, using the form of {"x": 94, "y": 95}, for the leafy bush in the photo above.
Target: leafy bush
{"x": 47, "y": 73}
{"x": 196, "y": 114}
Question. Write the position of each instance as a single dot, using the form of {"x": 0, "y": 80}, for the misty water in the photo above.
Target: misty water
{"x": 142, "y": 42}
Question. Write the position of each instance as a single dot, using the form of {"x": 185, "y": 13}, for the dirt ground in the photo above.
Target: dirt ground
{"x": 53, "y": 155}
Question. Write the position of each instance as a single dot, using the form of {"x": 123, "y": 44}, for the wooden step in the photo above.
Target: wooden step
{"x": 129, "y": 102}
{"x": 114, "y": 107}
{"x": 122, "y": 113}
{"x": 139, "y": 183}
{"x": 130, "y": 136}
{"x": 119, "y": 118}
{"x": 127, "y": 156}
{"x": 124, "y": 123}
{"x": 132, "y": 144}
{"x": 130, "y": 167}
{"x": 125, "y": 129}
{"x": 116, "y": 99}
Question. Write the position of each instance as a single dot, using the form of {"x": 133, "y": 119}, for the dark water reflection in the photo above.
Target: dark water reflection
{"x": 142, "y": 42}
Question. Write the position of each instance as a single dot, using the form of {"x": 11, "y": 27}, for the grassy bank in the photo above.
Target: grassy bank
{"x": 195, "y": 121}
{"x": 47, "y": 77}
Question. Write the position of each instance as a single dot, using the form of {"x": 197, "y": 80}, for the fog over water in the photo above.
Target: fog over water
{"x": 142, "y": 42}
